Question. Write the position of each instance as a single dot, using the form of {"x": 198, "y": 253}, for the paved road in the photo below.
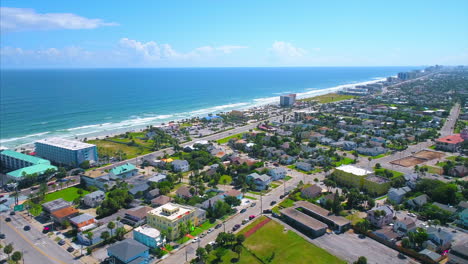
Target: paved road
{"x": 261, "y": 204}
{"x": 35, "y": 246}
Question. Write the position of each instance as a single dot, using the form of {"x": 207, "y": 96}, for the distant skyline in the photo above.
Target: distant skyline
{"x": 68, "y": 34}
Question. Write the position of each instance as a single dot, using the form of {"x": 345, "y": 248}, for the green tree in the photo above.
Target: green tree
{"x": 16, "y": 256}
{"x": 105, "y": 235}
{"x": 237, "y": 249}
{"x": 8, "y": 249}
{"x": 111, "y": 226}
{"x": 405, "y": 242}
{"x": 119, "y": 233}
{"x": 361, "y": 260}
{"x": 240, "y": 239}
{"x": 201, "y": 254}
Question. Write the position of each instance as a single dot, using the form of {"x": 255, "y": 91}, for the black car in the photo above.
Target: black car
{"x": 12, "y": 213}
{"x": 236, "y": 227}
{"x": 273, "y": 203}
{"x": 26, "y": 228}
{"x": 2, "y": 236}
{"x": 8, "y": 219}
{"x": 243, "y": 210}
{"x": 61, "y": 242}
{"x": 218, "y": 226}
{"x": 267, "y": 211}
{"x": 70, "y": 249}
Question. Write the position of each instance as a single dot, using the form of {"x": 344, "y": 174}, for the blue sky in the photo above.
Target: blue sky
{"x": 36, "y": 34}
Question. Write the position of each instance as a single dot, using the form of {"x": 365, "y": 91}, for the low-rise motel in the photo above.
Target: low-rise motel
{"x": 23, "y": 165}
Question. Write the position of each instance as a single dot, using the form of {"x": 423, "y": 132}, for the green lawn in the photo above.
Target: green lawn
{"x": 433, "y": 170}
{"x": 395, "y": 173}
{"x": 111, "y": 148}
{"x": 68, "y": 194}
{"x": 272, "y": 245}
{"x": 225, "y": 179}
{"x": 250, "y": 197}
{"x": 354, "y": 218}
{"x": 287, "y": 178}
{"x": 344, "y": 161}
{"x": 274, "y": 185}
{"x": 226, "y": 139}
{"x": 231, "y": 257}
{"x": 328, "y": 98}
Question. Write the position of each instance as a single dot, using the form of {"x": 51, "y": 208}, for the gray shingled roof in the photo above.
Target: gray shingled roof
{"x": 127, "y": 249}
{"x": 81, "y": 218}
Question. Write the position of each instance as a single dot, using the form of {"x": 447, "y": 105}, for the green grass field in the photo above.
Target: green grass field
{"x": 111, "y": 148}
{"x": 344, "y": 161}
{"x": 231, "y": 257}
{"x": 272, "y": 245}
{"x": 329, "y": 98}
{"x": 433, "y": 170}
{"x": 226, "y": 139}
{"x": 68, "y": 194}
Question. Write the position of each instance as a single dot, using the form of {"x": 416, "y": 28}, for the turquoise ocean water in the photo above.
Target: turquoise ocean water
{"x": 37, "y": 104}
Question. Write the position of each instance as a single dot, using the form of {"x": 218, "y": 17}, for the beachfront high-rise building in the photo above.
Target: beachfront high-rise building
{"x": 65, "y": 151}
{"x": 287, "y": 100}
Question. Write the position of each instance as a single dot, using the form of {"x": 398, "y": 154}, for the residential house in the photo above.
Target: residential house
{"x": 261, "y": 181}
{"x": 375, "y": 151}
{"x": 459, "y": 171}
{"x": 148, "y": 236}
{"x": 381, "y": 216}
{"x": 180, "y": 165}
{"x": 277, "y": 173}
{"x": 463, "y": 217}
{"x": 136, "y": 216}
{"x": 396, "y": 195}
{"x": 418, "y": 202}
{"x": 458, "y": 254}
{"x": 83, "y": 222}
{"x": 210, "y": 202}
{"x": 431, "y": 255}
{"x": 64, "y": 214}
{"x": 404, "y": 225}
{"x": 387, "y": 233}
{"x": 184, "y": 192}
{"x": 94, "y": 199}
{"x": 128, "y": 251}
{"x": 152, "y": 194}
{"x": 139, "y": 189}
{"x": 158, "y": 178}
{"x": 349, "y": 145}
{"x": 161, "y": 200}
{"x": 234, "y": 193}
{"x": 83, "y": 239}
{"x": 445, "y": 207}
{"x": 311, "y": 192}
{"x": 124, "y": 171}
{"x": 286, "y": 159}
{"x": 304, "y": 166}
{"x": 440, "y": 237}
{"x": 323, "y": 199}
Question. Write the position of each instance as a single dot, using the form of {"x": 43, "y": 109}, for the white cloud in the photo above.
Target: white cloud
{"x": 20, "y": 19}
{"x": 152, "y": 51}
{"x": 286, "y": 50}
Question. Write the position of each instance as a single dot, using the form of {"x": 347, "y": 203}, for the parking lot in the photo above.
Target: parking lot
{"x": 350, "y": 247}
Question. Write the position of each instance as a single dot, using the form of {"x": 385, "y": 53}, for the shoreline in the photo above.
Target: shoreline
{"x": 263, "y": 102}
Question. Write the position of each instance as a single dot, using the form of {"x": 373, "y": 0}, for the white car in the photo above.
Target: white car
{"x": 210, "y": 230}
{"x": 195, "y": 239}
{"x": 212, "y": 243}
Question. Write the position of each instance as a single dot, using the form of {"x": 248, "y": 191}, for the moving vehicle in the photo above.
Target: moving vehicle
{"x": 2, "y": 236}
{"x": 12, "y": 213}
{"x": 8, "y": 219}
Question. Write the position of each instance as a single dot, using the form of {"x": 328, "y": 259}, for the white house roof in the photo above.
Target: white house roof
{"x": 354, "y": 170}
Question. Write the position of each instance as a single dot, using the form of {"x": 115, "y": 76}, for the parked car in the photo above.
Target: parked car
{"x": 218, "y": 226}
{"x": 195, "y": 239}
{"x": 2, "y": 236}
{"x": 210, "y": 230}
{"x": 61, "y": 242}
{"x": 273, "y": 203}
{"x": 12, "y": 213}
{"x": 51, "y": 183}
{"x": 243, "y": 210}
{"x": 253, "y": 204}
{"x": 267, "y": 211}
{"x": 251, "y": 217}
{"x": 26, "y": 228}
{"x": 34, "y": 187}
{"x": 70, "y": 249}
{"x": 212, "y": 243}
{"x": 8, "y": 219}
{"x": 237, "y": 226}
{"x": 46, "y": 229}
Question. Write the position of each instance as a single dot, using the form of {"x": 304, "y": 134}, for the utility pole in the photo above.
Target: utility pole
{"x": 261, "y": 203}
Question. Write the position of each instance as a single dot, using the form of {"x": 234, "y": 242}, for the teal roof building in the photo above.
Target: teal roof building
{"x": 23, "y": 164}
{"x": 124, "y": 171}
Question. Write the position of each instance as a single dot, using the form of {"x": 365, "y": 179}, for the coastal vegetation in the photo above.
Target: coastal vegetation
{"x": 328, "y": 98}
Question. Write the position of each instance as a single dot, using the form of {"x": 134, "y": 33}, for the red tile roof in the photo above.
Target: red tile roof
{"x": 453, "y": 139}
{"x": 64, "y": 212}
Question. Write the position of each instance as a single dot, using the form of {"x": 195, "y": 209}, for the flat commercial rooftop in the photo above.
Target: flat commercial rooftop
{"x": 338, "y": 220}
{"x": 65, "y": 143}
{"x": 303, "y": 218}
{"x": 354, "y": 170}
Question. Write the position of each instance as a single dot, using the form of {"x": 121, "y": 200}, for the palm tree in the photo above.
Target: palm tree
{"x": 111, "y": 226}
{"x": 8, "y": 249}
{"x": 105, "y": 235}
{"x": 89, "y": 236}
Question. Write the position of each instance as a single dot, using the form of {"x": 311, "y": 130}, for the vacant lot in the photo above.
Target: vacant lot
{"x": 429, "y": 155}
{"x": 272, "y": 245}
{"x": 68, "y": 194}
{"x": 408, "y": 161}
{"x": 226, "y": 139}
{"x": 328, "y": 98}
{"x": 113, "y": 149}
